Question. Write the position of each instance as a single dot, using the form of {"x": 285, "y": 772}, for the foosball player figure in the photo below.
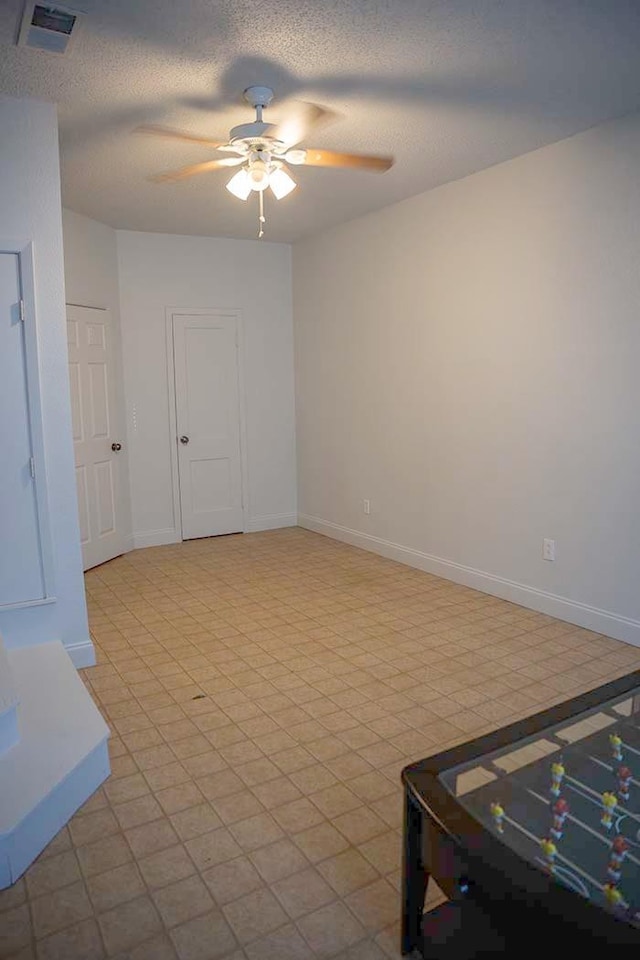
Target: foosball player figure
{"x": 624, "y": 782}
{"x": 557, "y": 773}
{"x": 619, "y": 849}
{"x": 609, "y": 804}
{"x": 614, "y": 897}
{"x": 497, "y": 812}
{"x": 616, "y": 746}
{"x": 560, "y": 811}
{"x": 549, "y": 851}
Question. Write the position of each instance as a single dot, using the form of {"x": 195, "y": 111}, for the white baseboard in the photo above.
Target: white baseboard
{"x": 271, "y": 521}
{"x": 82, "y": 654}
{"x": 572, "y": 611}
{"x": 155, "y": 538}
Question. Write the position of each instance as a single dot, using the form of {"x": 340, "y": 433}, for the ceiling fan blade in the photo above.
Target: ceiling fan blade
{"x": 300, "y": 119}
{"x": 195, "y": 168}
{"x": 150, "y": 130}
{"x": 328, "y": 158}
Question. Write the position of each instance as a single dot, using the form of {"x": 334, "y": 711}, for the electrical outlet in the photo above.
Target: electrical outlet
{"x": 366, "y": 506}
{"x": 548, "y": 549}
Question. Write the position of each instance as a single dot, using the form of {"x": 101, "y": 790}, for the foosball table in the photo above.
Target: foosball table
{"x": 532, "y": 832}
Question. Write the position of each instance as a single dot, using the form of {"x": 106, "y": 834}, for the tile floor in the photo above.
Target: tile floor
{"x": 264, "y": 692}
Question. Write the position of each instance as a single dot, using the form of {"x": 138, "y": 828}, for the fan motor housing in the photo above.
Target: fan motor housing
{"x": 251, "y": 131}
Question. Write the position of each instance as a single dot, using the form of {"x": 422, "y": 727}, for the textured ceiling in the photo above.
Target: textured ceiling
{"x": 447, "y": 86}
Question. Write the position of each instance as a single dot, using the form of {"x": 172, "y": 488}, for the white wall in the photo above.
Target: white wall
{"x": 91, "y": 280}
{"x": 468, "y": 360}
{"x": 158, "y": 271}
{"x": 30, "y": 211}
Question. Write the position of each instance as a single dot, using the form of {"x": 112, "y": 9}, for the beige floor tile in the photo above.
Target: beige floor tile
{"x": 129, "y": 924}
{"x": 303, "y": 892}
{"x": 195, "y": 821}
{"x": 257, "y": 772}
{"x": 358, "y": 737}
{"x": 167, "y": 775}
{"x": 220, "y": 784}
{"x": 93, "y": 826}
{"x": 297, "y": 815}
{"x": 256, "y": 831}
{"x": 190, "y": 747}
{"x": 158, "y": 948}
{"x": 150, "y": 837}
{"x": 126, "y": 788}
{"x": 15, "y": 929}
{"x": 166, "y": 866}
{"x": 79, "y": 942}
{"x": 14, "y": 895}
{"x": 330, "y": 929}
{"x": 212, "y": 848}
{"x": 142, "y": 739}
{"x": 320, "y": 842}
{"x": 375, "y": 906}
{"x": 103, "y": 855}
{"x": 138, "y": 811}
{"x": 273, "y": 743}
{"x": 284, "y": 944}
{"x": 335, "y": 800}
{"x": 60, "y": 908}
{"x": 233, "y": 879}
{"x": 107, "y": 890}
{"x": 254, "y": 915}
{"x": 369, "y": 950}
{"x": 348, "y": 766}
{"x": 52, "y": 873}
{"x": 237, "y": 806}
{"x": 203, "y": 938}
{"x": 204, "y": 763}
{"x": 360, "y": 824}
{"x": 182, "y": 901}
{"x": 384, "y": 851}
{"x": 180, "y": 797}
{"x": 292, "y": 759}
{"x": 348, "y": 871}
{"x": 278, "y": 860}
{"x": 275, "y": 793}
{"x": 314, "y": 778}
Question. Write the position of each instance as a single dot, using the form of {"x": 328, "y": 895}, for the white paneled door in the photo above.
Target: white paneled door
{"x": 97, "y": 446}
{"x": 208, "y": 423}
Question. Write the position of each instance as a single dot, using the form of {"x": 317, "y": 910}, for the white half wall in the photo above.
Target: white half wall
{"x": 467, "y": 360}
{"x": 91, "y": 280}
{"x": 31, "y": 212}
{"x": 160, "y": 271}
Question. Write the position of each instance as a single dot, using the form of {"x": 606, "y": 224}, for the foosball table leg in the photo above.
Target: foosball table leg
{"x": 414, "y": 877}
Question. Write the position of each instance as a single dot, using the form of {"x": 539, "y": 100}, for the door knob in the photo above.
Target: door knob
{"x": 116, "y": 446}
{"x": 184, "y": 439}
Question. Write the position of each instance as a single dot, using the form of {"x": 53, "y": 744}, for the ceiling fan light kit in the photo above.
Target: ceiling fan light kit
{"x": 264, "y": 150}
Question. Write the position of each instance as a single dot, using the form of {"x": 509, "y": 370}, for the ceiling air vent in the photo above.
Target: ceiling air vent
{"x": 48, "y": 27}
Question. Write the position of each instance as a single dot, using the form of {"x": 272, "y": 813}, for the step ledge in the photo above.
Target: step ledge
{"x": 61, "y": 757}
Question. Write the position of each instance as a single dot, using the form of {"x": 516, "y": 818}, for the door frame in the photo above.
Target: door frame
{"x": 170, "y": 312}
{"x": 24, "y": 250}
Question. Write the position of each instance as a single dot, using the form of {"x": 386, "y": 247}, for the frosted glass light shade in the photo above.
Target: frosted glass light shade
{"x": 281, "y": 183}
{"x": 240, "y": 185}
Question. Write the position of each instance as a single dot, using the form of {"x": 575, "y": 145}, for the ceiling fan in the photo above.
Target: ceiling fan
{"x": 264, "y": 151}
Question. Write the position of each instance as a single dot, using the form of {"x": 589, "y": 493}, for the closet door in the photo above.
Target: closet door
{"x": 97, "y": 448}
{"x": 21, "y": 569}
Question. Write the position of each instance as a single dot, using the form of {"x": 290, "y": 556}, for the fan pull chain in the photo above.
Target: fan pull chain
{"x": 261, "y": 218}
